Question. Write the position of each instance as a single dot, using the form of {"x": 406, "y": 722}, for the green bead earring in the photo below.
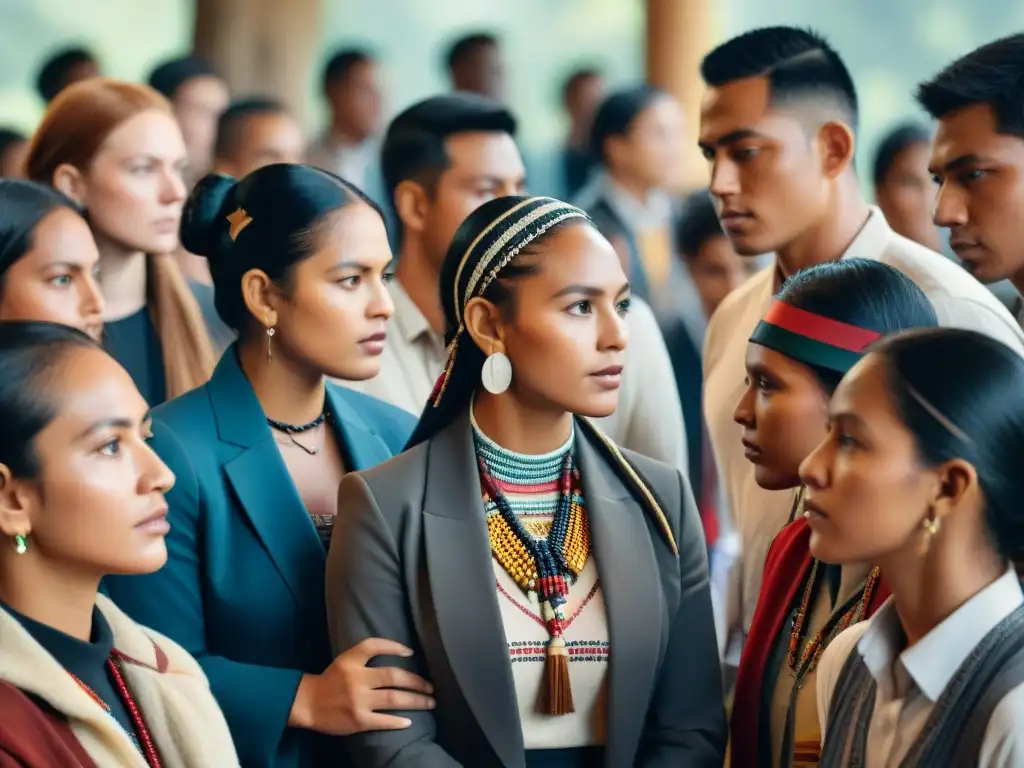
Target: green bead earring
{"x": 21, "y": 544}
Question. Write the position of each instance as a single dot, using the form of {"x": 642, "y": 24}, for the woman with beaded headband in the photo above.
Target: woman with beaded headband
{"x": 555, "y": 587}
{"x": 921, "y": 474}
{"x": 300, "y": 264}
{"x": 817, "y": 328}
{"x": 81, "y": 497}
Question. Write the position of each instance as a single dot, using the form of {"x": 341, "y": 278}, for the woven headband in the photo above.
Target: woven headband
{"x": 811, "y": 338}
{"x": 546, "y": 212}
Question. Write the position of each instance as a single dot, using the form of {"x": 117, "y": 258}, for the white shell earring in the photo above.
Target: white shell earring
{"x": 496, "y": 374}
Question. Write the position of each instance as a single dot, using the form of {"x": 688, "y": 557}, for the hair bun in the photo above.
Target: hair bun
{"x": 204, "y": 224}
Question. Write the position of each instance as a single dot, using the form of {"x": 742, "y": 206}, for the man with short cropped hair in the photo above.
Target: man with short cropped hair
{"x": 978, "y": 158}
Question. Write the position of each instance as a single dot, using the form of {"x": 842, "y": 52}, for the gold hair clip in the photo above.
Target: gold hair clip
{"x": 238, "y": 220}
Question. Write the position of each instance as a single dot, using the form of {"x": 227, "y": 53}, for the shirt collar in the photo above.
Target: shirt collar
{"x": 872, "y": 238}
{"x": 71, "y": 653}
{"x": 411, "y": 322}
{"x": 935, "y": 658}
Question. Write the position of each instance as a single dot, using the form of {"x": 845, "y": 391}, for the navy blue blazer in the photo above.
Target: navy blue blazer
{"x": 243, "y": 588}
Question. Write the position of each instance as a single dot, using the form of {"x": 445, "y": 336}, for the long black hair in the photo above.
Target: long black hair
{"x": 29, "y": 354}
{"x": 959, "y": 394}
{"x": 859, "y": 292}
{"x": 264, "y": 221}
{"x": 23, "y": 204}
{"x": 483, "y": 260}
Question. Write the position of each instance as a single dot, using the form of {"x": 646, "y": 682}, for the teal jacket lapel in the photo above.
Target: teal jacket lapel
{"x": 361, "y": 444}
{"x": 261, "y": 482}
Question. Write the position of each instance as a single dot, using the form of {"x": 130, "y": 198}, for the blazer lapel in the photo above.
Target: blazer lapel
{"x": 362, "y": 446}
{"x": 633, "y": 595}
{"x": 261, "y": 481}
{"x": 458, "y": 556}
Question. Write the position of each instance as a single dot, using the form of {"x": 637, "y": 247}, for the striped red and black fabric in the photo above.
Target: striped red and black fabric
{"x": 812, "y": 338}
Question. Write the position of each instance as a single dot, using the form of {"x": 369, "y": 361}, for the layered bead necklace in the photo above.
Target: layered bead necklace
{"x": 802, "y": 664}
{"x": 543, "y": 565}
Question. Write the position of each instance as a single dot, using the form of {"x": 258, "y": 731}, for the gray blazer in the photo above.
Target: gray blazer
{"x": 411, "y": 562}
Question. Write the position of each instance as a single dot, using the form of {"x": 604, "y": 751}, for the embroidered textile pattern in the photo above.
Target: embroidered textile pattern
{"x": 544, "y": 566}
{"x": 816, "y": 645}
{"x": 146, "y": 747}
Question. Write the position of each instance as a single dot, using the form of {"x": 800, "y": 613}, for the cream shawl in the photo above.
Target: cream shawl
{"x": 167, "y": 684}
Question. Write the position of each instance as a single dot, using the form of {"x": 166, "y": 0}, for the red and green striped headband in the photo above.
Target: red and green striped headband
{"x": 812, "y": 339}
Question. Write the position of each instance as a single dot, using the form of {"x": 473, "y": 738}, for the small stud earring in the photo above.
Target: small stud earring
{"x": 20, "y": 544}
{"x": 270, "y": 342}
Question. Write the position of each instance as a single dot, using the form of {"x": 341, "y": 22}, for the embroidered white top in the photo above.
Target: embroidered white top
{"x": 531, "y": 486}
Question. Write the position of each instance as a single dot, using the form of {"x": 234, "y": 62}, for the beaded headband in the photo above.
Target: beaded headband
{"x": 536, "y": 216}
{"x": 811, "y": 338}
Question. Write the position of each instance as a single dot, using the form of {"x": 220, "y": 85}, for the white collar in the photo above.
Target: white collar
{"x": 935, "y": 658}
{"x": 411, "y": 322}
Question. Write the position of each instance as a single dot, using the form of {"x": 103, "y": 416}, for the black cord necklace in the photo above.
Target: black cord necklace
{"x": 297, "y": 429}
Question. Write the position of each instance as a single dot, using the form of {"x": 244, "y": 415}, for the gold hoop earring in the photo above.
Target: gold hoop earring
{"x": 20, "y": 543}
{"x": 929, "y": 528}
{"x": 270, "y": 342}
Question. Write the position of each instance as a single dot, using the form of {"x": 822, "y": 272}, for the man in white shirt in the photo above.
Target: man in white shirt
{"x": 978, "y": 158}
{"x": 443, "y": 158}
{"x": 778, "y": 128}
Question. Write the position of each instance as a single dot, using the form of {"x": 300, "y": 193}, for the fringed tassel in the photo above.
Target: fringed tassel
{"x": 442, "y": 381}
{"x": 556, "y": 692}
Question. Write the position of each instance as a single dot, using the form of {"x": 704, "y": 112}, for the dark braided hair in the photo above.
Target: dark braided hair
{"x": 482, "y": 260}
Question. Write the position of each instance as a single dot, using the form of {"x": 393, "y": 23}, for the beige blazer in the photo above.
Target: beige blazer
{"x": 410, "y": 561}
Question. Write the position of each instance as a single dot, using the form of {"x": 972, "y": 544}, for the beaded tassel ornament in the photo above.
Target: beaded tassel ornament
{"x": 544, "y": 567}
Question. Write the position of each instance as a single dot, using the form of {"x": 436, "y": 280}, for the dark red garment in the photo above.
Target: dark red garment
{"x": 785, "y": 572}
{"x": 708, "y": 503}
{"x": 34, "y": 736}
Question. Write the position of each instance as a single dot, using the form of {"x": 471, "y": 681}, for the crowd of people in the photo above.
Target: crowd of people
{"x": 359, "y": 451}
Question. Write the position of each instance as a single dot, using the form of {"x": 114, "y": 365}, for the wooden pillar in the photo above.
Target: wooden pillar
{"x": 262, "y": 47}
{"x": 679, "y": 33}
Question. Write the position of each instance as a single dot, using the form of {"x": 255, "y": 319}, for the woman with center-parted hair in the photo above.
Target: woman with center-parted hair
{"x": 48, "y": 259}
{"x": 554, "y": 586}
{"x": 81, "y": 497}
{"x": 299, "y": 260}
{"x": 115, "y": 149}
{"x": 921, "y": 474}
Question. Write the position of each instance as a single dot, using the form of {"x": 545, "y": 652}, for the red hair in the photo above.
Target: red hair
{"x": 72, "y": 131}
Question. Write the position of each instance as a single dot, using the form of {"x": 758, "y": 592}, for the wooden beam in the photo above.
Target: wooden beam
{"x": 679, "y": 33}
{"x": 262, "y": 47}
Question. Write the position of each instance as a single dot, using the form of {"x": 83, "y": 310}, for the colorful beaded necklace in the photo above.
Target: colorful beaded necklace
{"x": 146, "y": 747}
{"x": 542, "y": 566}
{"x": 816, "y": 645}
